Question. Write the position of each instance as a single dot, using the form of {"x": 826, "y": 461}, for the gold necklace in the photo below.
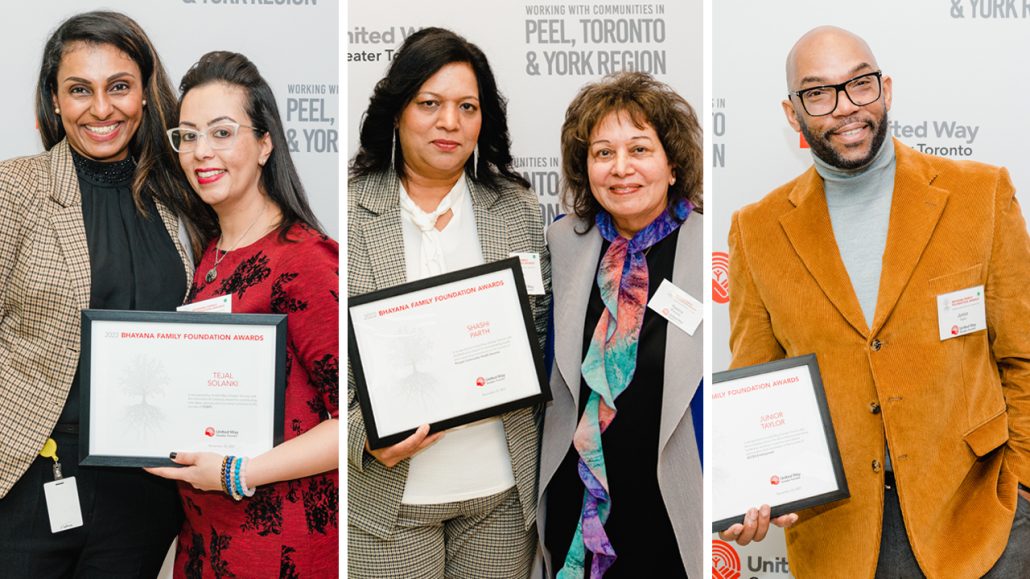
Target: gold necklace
{"x": 213, "y": 272}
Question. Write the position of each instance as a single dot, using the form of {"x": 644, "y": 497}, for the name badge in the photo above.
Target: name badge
{"x": 677, "y": 306}
{"x": 961, "y": 312}
{"x": 531, "y": 272}
{"x": 220, "y": 305}
{"x": 62, "y": 504}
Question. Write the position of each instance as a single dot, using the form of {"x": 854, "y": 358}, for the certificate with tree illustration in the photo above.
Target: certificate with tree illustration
{"x": 444, "y": 351}
{"x": 157, "y": 382}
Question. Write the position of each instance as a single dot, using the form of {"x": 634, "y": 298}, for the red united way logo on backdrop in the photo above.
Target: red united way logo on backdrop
{"x": 725, "y": 561}
{"x": 720, "y": 277}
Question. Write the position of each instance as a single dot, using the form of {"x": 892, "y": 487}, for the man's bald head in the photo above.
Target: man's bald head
{"x": 819, "y": 50}
{"x": 849, "y": 135}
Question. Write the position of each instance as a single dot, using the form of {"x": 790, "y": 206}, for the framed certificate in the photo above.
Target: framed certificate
{"x": 157, "y": 382}
{"x": 446, "y": 350}
{"x": 773, "y": 441}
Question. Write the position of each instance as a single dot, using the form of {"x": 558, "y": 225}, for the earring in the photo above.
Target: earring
{"x": 475, "y": 161}
{"x": 57, "y": 111}
{"x": 393, "y": 149}
{"x": 144, "y": 102}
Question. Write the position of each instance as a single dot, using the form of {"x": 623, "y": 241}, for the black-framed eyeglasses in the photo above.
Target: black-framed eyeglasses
{"x": 819, "y": 101}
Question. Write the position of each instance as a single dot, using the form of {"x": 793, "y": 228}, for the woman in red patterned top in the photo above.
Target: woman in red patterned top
{"x": 270, "y": 256}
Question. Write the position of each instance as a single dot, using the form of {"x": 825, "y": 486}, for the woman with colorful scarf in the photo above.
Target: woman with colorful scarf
{"x": 620, "y": 465}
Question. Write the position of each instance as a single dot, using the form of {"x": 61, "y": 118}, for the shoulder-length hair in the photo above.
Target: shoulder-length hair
{"x": 157, "y": 175}
{"x": 420, "y": 57}
{"x": 279, "y": 178}
{"x": 646, "y": 101}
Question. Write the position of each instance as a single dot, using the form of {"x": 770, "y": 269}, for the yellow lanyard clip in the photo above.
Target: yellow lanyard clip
{"x": 50, "y": 451}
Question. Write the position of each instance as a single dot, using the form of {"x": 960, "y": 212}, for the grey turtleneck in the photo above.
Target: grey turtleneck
{"x": 860, "y": 208}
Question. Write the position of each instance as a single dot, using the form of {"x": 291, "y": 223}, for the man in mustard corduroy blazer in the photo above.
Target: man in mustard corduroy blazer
{"x": 863, "y": 260}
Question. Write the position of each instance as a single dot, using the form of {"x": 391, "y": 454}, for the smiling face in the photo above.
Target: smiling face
{"x": 99, "y": 92}
{"x": 224, "y": 178}
{"x": 629, "y": 172}
{"x": 439, "y": 128}
{"x": 850, "y": 136}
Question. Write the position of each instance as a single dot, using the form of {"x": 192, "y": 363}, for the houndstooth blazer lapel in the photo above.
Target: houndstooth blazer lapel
{"x": 69, "y": 229}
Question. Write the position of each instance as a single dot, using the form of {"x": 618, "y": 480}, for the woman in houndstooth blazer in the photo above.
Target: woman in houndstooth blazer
{"x": 90, "y": 223}
{"x": 432, "y": 190}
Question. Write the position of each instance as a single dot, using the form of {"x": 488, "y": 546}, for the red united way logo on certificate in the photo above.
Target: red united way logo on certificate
{"x": 775, "y": 480}
{"x": 209, "y": 431}
{"x": 725, "y": 561}
{"x": 480, "y": 381}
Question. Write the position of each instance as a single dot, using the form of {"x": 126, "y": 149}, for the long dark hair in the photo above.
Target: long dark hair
{"x": 279, "y": 178}
{"x": 157, "y": 175}
{"x": 420, "y": 57}
{"x": 646, "y": 100}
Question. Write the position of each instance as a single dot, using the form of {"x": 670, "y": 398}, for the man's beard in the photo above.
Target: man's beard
{"x": 821, "y": 148}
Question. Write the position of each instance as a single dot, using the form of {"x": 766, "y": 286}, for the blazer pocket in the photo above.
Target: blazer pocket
{"x": 969, "y": 277}
{"x": 988, "y": 435}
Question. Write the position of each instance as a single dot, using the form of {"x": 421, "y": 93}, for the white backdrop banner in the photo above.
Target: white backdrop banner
{"x": 294, "y": 43}
{"x": 541, "y": 53}
{"x": 959, "y": 92}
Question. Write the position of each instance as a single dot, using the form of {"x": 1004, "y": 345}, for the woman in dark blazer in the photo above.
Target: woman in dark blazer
{"x": 435, "y": 151}
{"x": 90, "y": 223}
{"x": 628, "y": 384}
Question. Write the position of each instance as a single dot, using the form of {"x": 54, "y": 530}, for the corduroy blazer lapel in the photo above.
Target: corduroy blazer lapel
{"x": 916, "y": 208}
{"x": 808, "y": 227}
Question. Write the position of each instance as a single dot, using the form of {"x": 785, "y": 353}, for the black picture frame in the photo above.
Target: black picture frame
{"x": 830, "y": 437}
{"x": 377, "y": 440}
{"x": 87, "y": 457}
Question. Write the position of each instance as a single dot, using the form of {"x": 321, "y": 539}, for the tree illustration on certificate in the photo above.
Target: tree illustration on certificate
{"x": 142, "y": 380}
{"x": 412, "y": 383}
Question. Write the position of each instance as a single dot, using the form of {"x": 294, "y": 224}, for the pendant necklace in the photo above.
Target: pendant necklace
{"x": 213, "y": 272}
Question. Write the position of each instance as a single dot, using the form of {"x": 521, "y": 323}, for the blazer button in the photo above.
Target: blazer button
{"x": 874, "y": 407}
{"x": 876, "y": 344}
{"x": 876, "y": 465}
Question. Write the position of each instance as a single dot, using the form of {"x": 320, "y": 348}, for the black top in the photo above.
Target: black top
{"x": 638, "y": 525}
{"x": 134, "y": 264}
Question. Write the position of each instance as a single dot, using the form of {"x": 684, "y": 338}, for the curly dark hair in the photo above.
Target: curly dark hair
{"x": 158, "y": 175}
{"x": 647, "y": 101}
{"x": 279, "y": 177}
{"x": 420, "y": 57}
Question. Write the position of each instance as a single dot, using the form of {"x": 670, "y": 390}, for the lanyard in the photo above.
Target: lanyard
{"x": 50, "y": 451}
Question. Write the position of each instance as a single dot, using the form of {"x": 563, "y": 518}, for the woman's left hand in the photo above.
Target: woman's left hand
{"x": 202, "y": 470}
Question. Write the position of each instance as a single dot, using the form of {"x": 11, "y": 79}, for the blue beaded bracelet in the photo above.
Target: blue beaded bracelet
{"x": 236, "y": 487}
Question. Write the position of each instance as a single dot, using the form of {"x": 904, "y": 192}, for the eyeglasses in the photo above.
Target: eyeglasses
{"x": 219, "y": 137}
{"x": 819, "y": 101}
